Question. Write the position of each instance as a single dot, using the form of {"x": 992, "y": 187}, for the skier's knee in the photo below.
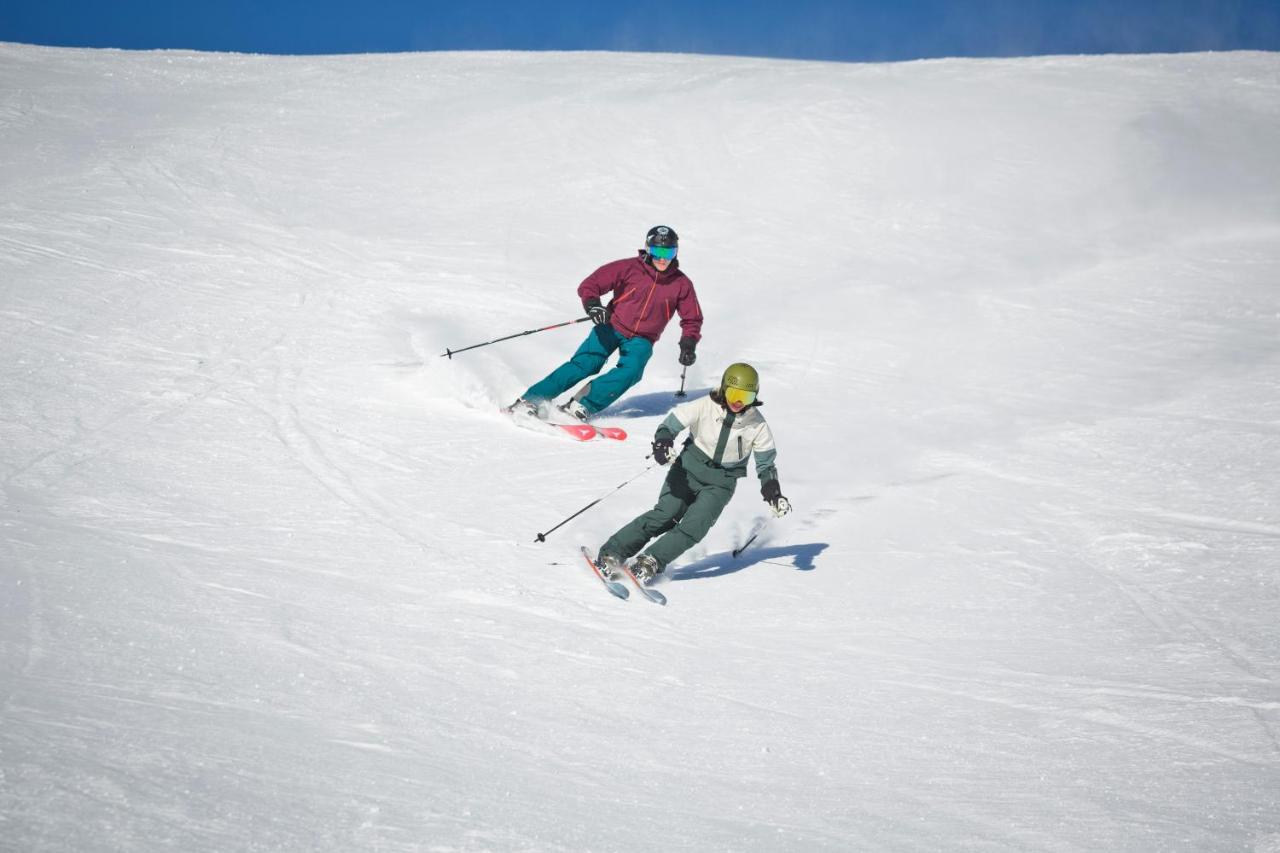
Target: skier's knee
{"x": 590, "y": 365}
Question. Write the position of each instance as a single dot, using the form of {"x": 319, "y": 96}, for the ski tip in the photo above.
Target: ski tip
{"x": 648, "y": 592}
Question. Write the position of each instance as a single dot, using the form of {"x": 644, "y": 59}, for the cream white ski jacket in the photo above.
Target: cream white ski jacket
{"x": 726, "y": 440}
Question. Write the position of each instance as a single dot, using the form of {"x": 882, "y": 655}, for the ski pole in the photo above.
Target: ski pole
{"x": 681, "y": 393}
{"x": 756, "y": 530}
{"x": 542, "y": 537}
{"x": 452, "y": 352}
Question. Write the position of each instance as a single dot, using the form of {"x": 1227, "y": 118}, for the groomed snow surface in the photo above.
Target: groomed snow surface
{"x": 268, "y": 578}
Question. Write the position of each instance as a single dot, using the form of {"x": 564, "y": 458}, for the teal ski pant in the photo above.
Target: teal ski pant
{"x": 633, "y": 355}
{"x": 687, "y": 509}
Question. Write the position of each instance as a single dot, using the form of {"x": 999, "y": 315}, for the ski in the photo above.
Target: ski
{"x": 651, "y": 594}
{"x": 610, "y": 432}
{"x": 614, "y": 587}
{"x": 579, "y": 432}
{"x": 589, "y": 431}
{"x": 582, "y": 432}
{"x": 615, "y": 433}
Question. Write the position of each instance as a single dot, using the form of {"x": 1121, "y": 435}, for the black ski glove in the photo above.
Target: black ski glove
{"x": 772, "y": 494}
{"x": 662, "y": 450}
{"x": 597, "y": 312}
{"x": 687, "y": 355}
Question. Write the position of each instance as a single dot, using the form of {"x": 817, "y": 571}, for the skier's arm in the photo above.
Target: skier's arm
{"x": 765, "y": 452}
{"x": 679, "y": 418}
{"x": 669, "y": 428}
{"x": 766, "y": 469}
{"x": 600, "y": 282}
{"x": 690, "y": 315}
{"x": 690, "y": 325}
{"x": 674, "y": 423}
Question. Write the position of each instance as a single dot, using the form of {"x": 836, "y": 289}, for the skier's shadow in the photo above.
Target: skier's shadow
{"x": 802, "y": 557}
{"x": 649, "y": 405}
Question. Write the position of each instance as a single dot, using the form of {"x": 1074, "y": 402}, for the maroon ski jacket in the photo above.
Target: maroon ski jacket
{"x": 644, "y": 299}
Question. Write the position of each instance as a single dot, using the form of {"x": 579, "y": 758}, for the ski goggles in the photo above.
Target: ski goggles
{"x": 665, "y": 253}
{"x": 739, "y": 396}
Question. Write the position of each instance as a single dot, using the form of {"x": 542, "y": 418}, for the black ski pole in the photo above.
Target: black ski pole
{"x": 452, "y": 352}
{"x": 681, "y": 393}
{"x": 756, "y": 530}
{"x": 542, "y": 537}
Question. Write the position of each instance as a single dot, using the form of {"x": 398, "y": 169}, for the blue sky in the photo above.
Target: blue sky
{"x": 856, "y": 30}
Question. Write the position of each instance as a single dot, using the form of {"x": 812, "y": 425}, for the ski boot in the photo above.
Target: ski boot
{"x": 645, "y": 568}
{"x": 523, "y": 407}
{"x": 575, "y": 409}
{"x": 610, "y": 566}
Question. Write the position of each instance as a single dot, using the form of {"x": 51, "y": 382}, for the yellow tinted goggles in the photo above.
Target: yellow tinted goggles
{"x": 735, "y": 396}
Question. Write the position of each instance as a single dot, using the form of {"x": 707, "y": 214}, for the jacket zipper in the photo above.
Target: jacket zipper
{"x": 644, "y": 309}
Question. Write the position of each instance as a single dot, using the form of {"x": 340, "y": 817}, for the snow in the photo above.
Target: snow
{"x": 268, "y": 570}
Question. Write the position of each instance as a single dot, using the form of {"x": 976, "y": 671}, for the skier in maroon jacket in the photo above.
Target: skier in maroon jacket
{"x": 647, "y": 290}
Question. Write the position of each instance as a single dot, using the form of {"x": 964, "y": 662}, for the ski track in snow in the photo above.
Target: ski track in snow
{"x": 268, "y": 576}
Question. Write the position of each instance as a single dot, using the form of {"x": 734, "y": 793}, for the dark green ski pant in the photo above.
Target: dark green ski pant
{"x": 687, "y": 509}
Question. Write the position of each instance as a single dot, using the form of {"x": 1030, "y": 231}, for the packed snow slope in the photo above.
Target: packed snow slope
{"x": 269, "y": 577}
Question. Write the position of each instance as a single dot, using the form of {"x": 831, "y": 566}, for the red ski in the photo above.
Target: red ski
{"x": 578, "y": 431}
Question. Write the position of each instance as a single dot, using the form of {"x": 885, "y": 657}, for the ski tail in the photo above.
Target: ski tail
{"x": 648, "y": 592}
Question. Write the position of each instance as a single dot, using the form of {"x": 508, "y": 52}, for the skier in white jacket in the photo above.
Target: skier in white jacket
{"x": 725, "y": 429}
